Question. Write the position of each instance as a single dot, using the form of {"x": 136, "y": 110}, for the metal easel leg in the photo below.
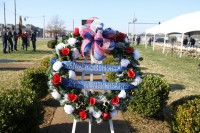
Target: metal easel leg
{"x": 111, "y": 126}
{"x": 74, "y": 126}
{"x": 90, "y": 127}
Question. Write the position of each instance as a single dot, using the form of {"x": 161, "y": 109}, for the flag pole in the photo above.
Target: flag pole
{"x": 4, "y": 15}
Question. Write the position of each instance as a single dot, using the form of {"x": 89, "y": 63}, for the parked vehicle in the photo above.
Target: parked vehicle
{"x": 160, "y": 39}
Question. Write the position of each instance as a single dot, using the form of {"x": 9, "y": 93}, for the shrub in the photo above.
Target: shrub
{"x": 45, "y": 63}
{"x": 36, "y": 80}
{"x": 108, "y": 60}
{"x": 110, "y": 76}
{"x": 151, "y": 98}
{"x": 185, "y": 116}
{"x": 20, "y": 110}
{"x": 51, "y": 44}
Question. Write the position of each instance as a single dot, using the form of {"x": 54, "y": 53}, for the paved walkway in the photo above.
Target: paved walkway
{"x": 62, "y": 123}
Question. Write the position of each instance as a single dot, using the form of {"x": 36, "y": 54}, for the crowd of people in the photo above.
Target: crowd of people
{"x": 10, "y": 40}
{"x": 137, "y": 39}
{"x": 189, "y": 42}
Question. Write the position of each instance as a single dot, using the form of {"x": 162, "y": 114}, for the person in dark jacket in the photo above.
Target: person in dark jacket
{"x": 15, "y": 39}
{"x": 4, "y": 37}
{"x": 24, "y": 37}
{"x": 185, "y": 41}
{"x": 33, "y": 39}
{"x": 192, "y": 42}
{"x": 10, "y": 42}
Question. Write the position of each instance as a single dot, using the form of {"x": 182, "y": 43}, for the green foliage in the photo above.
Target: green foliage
{"x": 20, "y": 111}
{"x": 110, "y": 76}
{"x": 45, "y": 62}
{"x": 51, "y": 44}
{"x": 108, "y": 60}
{"x": 185, "y": 116}
{"x": 36, "y": 80}
{"x": 151, "y": 98}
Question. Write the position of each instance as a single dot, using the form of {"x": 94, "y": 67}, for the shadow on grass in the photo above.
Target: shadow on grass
{"x": 13, "y": 69}
{"x": 161, "y": 75}
{"x": 38, "y": 52}
{"x": 143, "y": 68}
{"x": 82, "y": 127}
{"x": 51, "y": 103}
{"x": 175, "y": 87}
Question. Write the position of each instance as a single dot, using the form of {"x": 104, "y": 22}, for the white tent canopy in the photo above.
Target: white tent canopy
{"x": 181, "y": 24}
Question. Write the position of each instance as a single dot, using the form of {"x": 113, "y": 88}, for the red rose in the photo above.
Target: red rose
{"x": 76, "y": 31}
{"x": 92, "y": 101}
{"x": 65, "y": 51}
{"x": 129, "y": 50}
{"x": 72, "y": 97}
{"x": 83, "y": 114}
{"x": 131, "y": 73}
{"x": 106, "y": 115}
{"x": 121, "y": 35}
{"x": 115, "y": 100}
{"x": 57, "y": 79}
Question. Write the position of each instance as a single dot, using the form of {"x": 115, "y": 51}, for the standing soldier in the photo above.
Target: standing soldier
{"x": 15, "y": 38}
{"x": 10, "y": 42}
{"x": 4, "y": 37}
{"x": 24, "y": 37}
{"x": 33, "y": 39}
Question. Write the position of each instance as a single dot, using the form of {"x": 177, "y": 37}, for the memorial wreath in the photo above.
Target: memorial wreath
{"x": 94, "y": 41}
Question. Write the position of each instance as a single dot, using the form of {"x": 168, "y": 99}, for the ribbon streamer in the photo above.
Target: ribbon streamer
{"x": 80, "y": 66}
{"x": 96, "y": 85}
{"x": 98, "y": 40}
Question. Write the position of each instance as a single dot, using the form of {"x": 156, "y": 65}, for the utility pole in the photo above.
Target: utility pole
{"x": 4, "y": 15}
{"x": 15, "y": 12}
{"x": 73, "y": 25}
{"x": 44, "y": 26}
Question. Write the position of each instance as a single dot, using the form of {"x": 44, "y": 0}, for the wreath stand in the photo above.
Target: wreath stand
{"x": 91, "y": 79}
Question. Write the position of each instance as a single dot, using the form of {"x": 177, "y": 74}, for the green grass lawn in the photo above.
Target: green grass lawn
{"x": 10, "y": 77}
{"x": 183, "y": 74}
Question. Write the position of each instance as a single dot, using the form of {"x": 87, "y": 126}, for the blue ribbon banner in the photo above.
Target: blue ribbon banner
{"x": 96, "y": 85}
{"x": 91, "y": 67}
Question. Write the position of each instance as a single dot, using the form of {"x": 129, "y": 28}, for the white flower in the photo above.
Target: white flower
{"x": 136, "y": 54}
{"x": 57, "y": 66}
{"x": 59, "y": 47}
{"x": 124, "y": 62}
{"x": 71, "y": 41}
{"x": 97, "y": 114}
{"x": 62, "y": 102}
{"x": 99, "y": 120}
{"x": 55, "y": 94}
{"x": 126, "y": 40}
{"x": 75, "y": 53}
{"x": 69, "y": 109}
{"x": 120, "y": 74}
{"x": 122, "y": 94}
{"x": 90, "y": 109}
{"x": 136, "y": 81}
{"x": 65, "y": 99}
{"x": 72, "y": 74}
{"x": 113, "y": 113}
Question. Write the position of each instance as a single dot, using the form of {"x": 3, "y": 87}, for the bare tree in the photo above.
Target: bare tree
{"x": 55, "y": 25}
